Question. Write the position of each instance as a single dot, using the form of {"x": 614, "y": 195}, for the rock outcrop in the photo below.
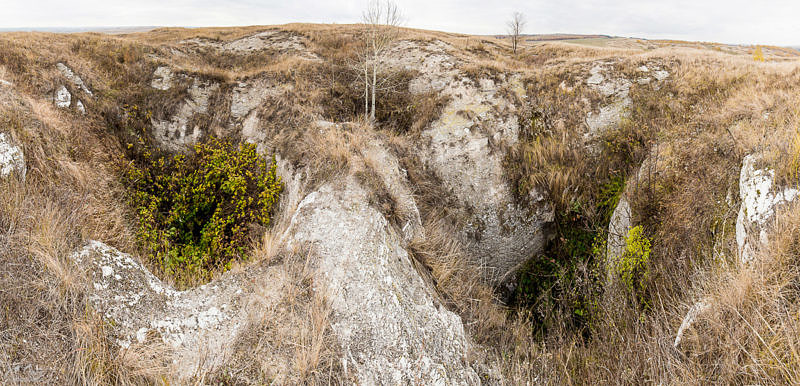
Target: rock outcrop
{"x": 178, "y": 133}
{"x": 759, "y": 201}
{"x": 277, "y": 41}
{"x": 198, "y": 325}
{"x": 162, "y": 78}
{"x": 465, "y": 149}
{"x": 391, "y": 327}
{"x": 12, "y": 160}
{"x": 615, "y": 89}
{"x": 389, "y": 322}
{"x": 73, "y": 78}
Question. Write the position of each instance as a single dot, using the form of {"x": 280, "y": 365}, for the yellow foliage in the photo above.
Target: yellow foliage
{"x": 758, "y": 54}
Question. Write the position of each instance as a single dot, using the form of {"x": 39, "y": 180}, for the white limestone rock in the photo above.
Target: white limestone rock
{"x": 74, "y": 78}
{"x": 465, "y": 148}
{"x": 162, "y": 78}
{"x": 63, "y": 98}
{"x": 176, "y": 134}
{"x": 197, "y": 325}
{"x": 12, "y": 160}
{"x": 759, "y": 201}
{"x": 395, "y": 180}
{"x": 688, "y": 321}
{"x": 389, "y": 324}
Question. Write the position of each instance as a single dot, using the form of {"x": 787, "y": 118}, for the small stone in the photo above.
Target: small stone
{"x": 63, "y": 98}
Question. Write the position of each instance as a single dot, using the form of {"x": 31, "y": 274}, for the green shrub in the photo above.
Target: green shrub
{"x": 195, "y": 211}
{"x": 632, "y": 266}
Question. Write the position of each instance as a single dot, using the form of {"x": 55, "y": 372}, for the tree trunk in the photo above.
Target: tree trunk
{"x": 366, "y": 88}
{"x": 374, "y": 85}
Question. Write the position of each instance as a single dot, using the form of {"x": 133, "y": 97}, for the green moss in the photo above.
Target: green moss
{"x": 633, "y": 265}
{"x": 195, "y": 211}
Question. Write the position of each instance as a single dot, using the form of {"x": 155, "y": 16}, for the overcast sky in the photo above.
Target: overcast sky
{"x": 727, "y": 21}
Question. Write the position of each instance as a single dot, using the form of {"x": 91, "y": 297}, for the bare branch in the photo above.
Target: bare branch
{"x": 381, "y": 20}
{"x": 515, "y": 27}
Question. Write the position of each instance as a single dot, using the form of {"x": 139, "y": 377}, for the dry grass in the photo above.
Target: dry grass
{"x": 288, "y": 338}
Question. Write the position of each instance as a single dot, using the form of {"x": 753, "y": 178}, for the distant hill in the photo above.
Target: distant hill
{"x": 552, "y": 37}
{"x": 108, "y": 30}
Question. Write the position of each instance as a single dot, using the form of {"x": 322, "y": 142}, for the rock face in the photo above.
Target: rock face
{"x": 178, "y": 134}
{"x": 12, "y": 160}
{"x": 616, "y": 91}
{"x": 759, "y": 202}
{"x": 756, "y": 212}
{"x": 391, "y": 327}
{"x": 465, "y": 149}
{"x": 198, "y": 325}
{"x": 395, "y": 180}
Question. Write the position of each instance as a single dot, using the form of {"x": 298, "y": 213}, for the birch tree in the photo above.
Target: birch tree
{"x": 381, "y": 21}
{"x": 515, "y": 27}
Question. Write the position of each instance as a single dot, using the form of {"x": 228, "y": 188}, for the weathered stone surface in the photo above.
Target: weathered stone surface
{"x": 395, "y": 179}
{"x": 63, "y": 98}
{"x": 162, "y": 78}
{"x": 280, "y": 41}
{"x": 198, "y": 325}
{"x": 616, "y": 88}
{"x": 618, "y": 228}
{"x": 759, "y": 201}
{"x": 250, "y": 94}
{"x": 465, "y": 149}
{"x": 391, "y": 327}
{"x": 177, "y": 134}
{"x": 12, "y": 160}
{"x": 72, "y": 77}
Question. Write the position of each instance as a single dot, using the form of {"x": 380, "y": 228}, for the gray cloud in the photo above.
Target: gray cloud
{"x": 729, "y": 21}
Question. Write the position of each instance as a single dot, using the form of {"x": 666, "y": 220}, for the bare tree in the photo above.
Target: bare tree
{"x": 381, "y": 22}
{"x": 515, "y": 27}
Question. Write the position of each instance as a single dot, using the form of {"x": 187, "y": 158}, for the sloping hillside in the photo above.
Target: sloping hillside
{"x": 212, "y": 206}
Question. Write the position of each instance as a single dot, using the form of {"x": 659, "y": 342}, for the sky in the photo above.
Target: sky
{"x": 775, "y": 22}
